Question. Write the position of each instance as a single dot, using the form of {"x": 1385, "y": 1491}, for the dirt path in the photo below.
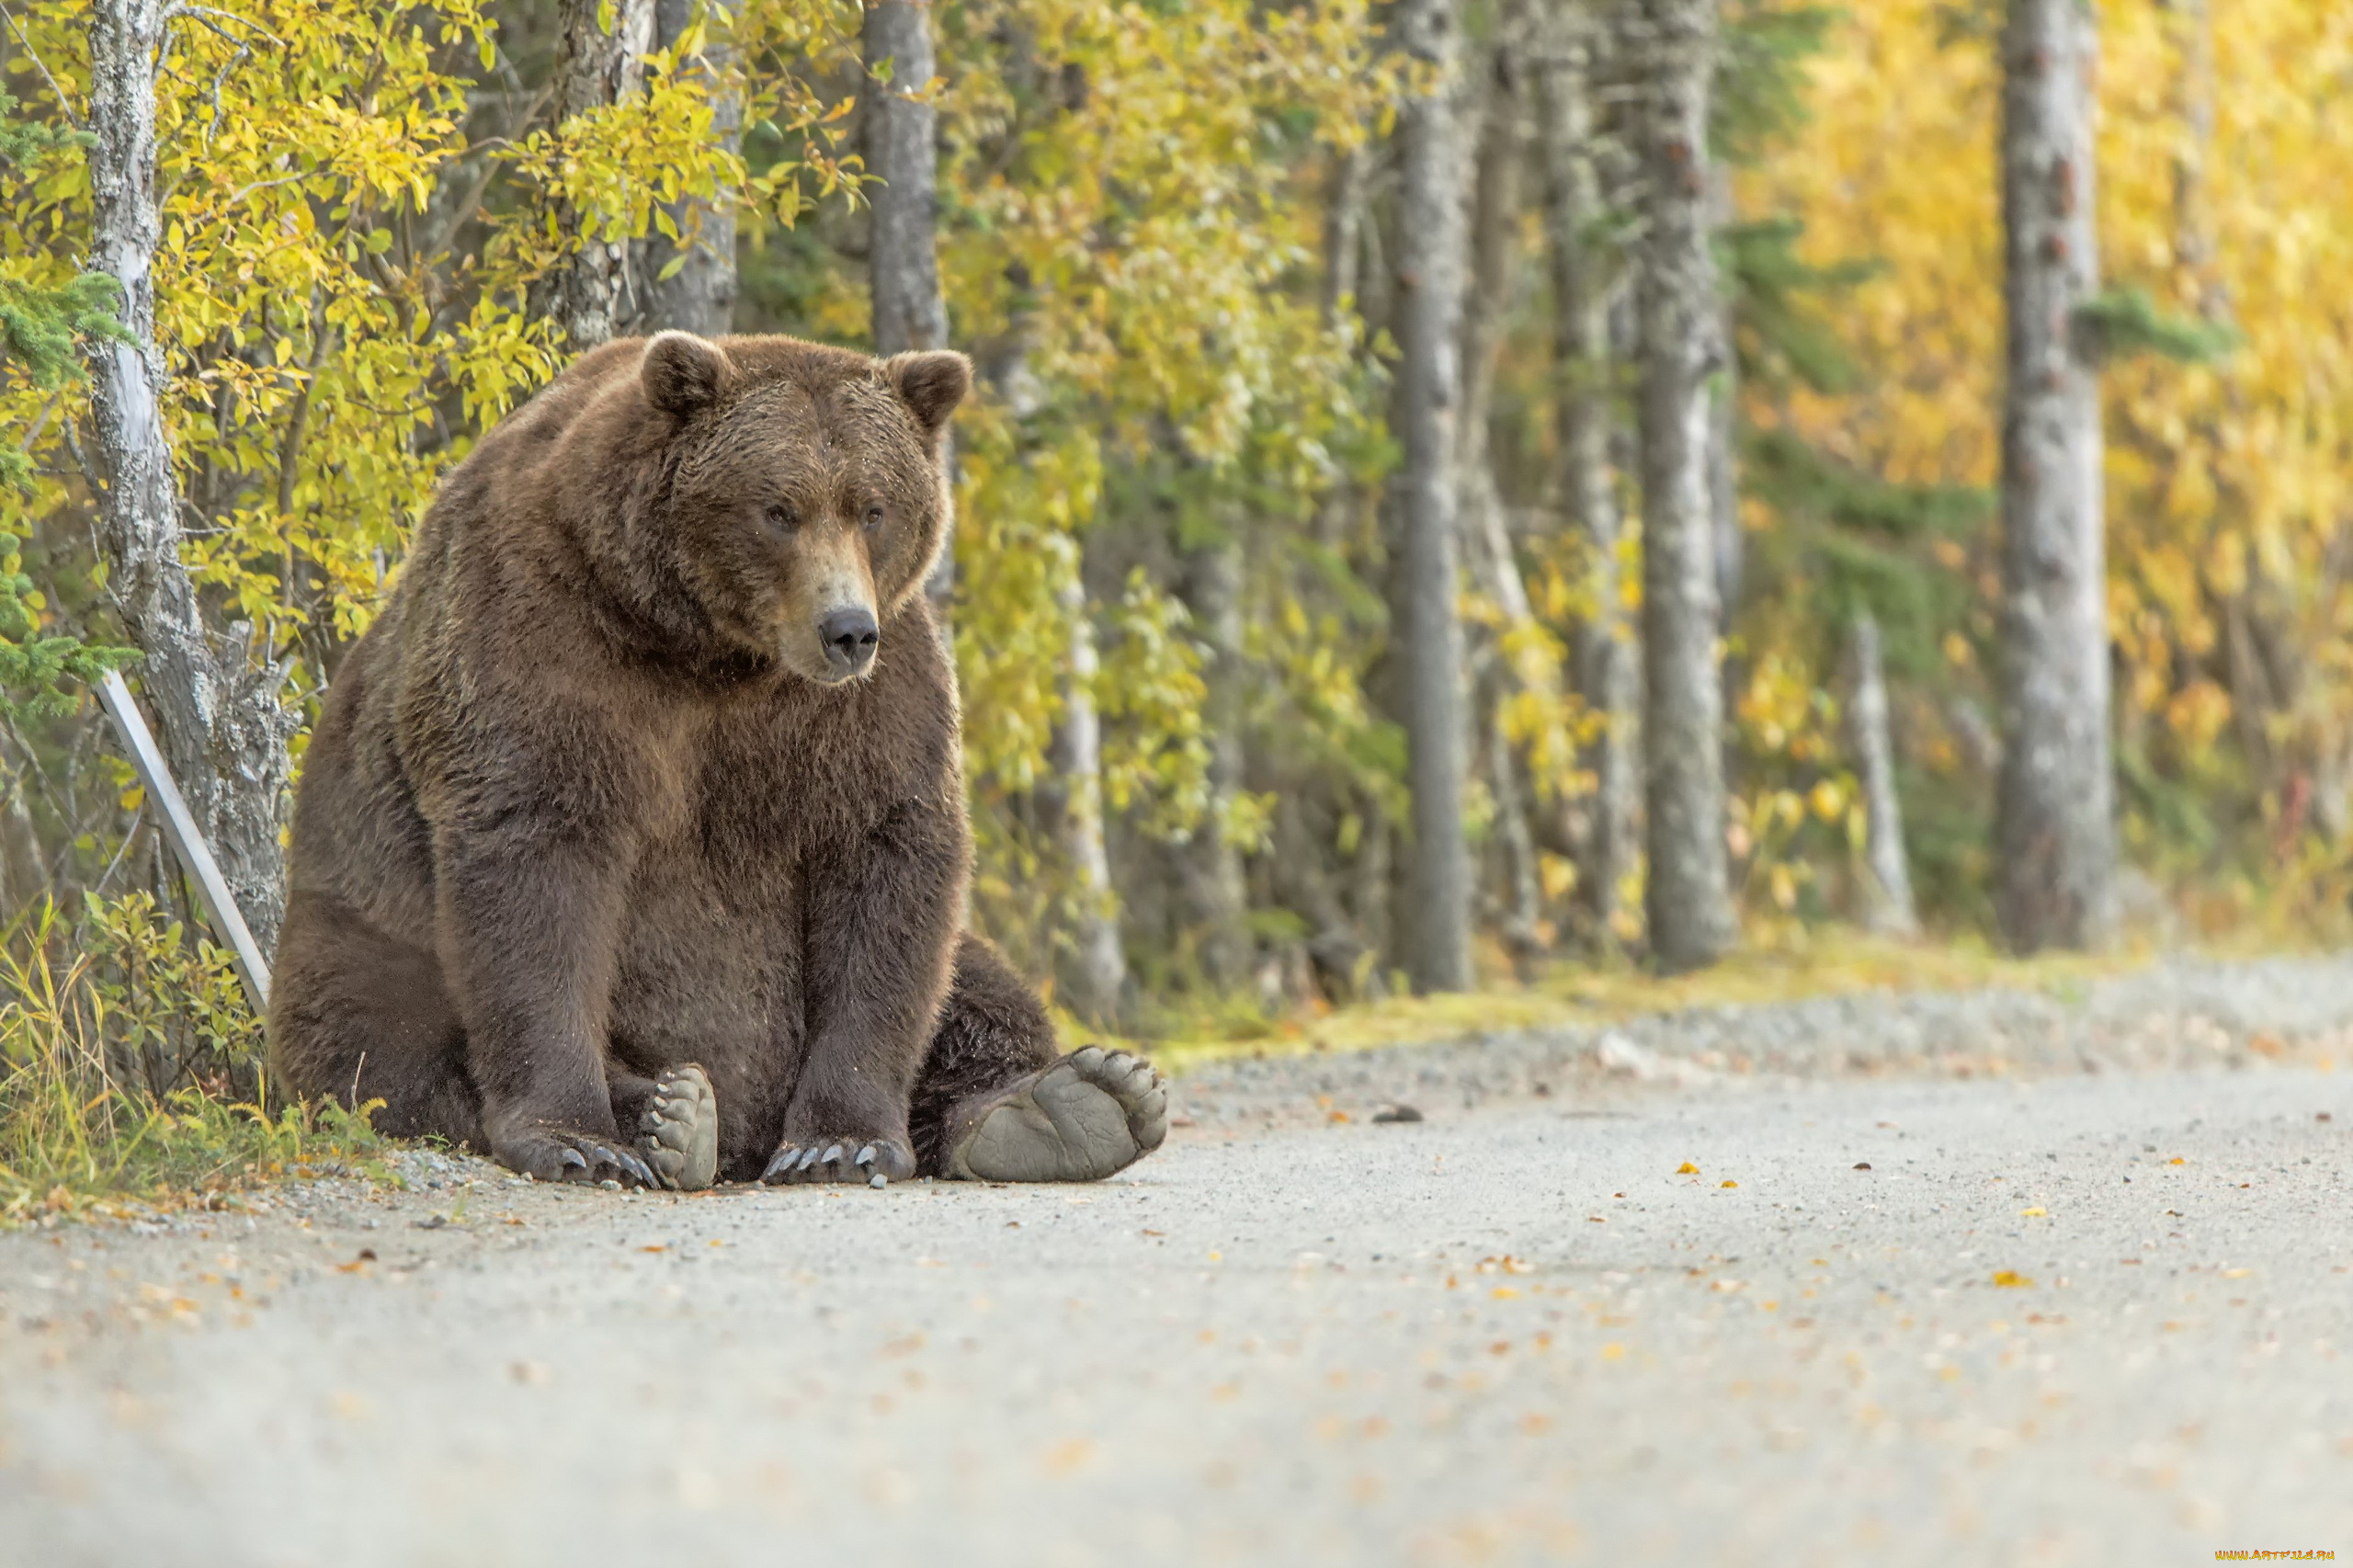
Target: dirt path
{"x": 1514, "y": 1334}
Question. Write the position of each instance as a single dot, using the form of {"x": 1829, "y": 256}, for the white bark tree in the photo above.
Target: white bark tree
{"x": 2055, "y": 838}
{"x": 902, "y": 253}
{"x": 1583, "y": 370}
{"x": 223, "y": 729}
{"x": 1215, "y": 897}
{"x": 600, "y": 61}
{"x": 1501, "y": 136}
{"x": 699, "y": 297}
{"x": 1435, "y": 942}
{"x": 1689, "y": 902}
{"x": 1888, "y": 908}
{"x": 1095, "y": 973}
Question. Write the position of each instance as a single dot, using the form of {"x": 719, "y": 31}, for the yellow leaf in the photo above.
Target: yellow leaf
{"x": 2009, "y": 1278}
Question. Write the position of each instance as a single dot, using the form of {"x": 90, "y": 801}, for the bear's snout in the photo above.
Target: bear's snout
{"x": 850, "y": 638}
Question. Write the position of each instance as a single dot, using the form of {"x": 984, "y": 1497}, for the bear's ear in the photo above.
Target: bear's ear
{"x": 683, "y": 374}
{"x": 931, "y": 383}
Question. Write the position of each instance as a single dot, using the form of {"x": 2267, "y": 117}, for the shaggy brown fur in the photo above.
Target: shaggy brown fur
{"x": 620, "y": 780}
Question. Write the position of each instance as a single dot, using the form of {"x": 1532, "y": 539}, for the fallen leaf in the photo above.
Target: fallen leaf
{"x": 2010, "y": 1278}
{"x": 1728, "y": 1183}
{"x": 2176, "y": 1160}
{"x": 2036, "y": 1212}
{"x": 1687, "y": 1168}
{"x": 1862, "y": 1164}
{"x": 1066, "y": 1459}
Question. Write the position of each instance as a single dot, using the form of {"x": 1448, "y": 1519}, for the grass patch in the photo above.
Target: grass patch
{"x": 131, "y": 1069}
{"x": 1789, "y": 967}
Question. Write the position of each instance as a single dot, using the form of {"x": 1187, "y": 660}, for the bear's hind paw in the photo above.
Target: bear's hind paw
{"x": 678, "y": 1134}
{"x": 1088, "y": 1115}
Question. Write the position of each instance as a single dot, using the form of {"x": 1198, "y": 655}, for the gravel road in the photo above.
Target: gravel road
{"x": 2063, "y": 1317}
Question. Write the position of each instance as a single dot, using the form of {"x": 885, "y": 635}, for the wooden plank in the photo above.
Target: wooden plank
{"x": 220, "y": 905}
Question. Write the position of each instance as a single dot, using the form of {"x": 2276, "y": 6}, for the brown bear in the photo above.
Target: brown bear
{"x": 631, "y": 843}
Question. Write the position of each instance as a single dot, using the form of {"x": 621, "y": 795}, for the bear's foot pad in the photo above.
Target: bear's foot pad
{"x": 1088, "y": 1115}
{"x": 678, "y": 1134}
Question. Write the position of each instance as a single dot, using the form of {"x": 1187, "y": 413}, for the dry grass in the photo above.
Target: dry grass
{"x": 1785, "y": 967}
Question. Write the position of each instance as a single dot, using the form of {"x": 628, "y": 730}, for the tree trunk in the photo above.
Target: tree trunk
{"x": 902, "y": 148}
{"x": 1485, "y": 539}
{"x": 224, "y": 730}
{"x": 700, "y": 296}
{"x": 2056, "y": 842}
{"x": 587, "y": 294}
{"x": 1692, "y": 920}
{"x": 2195, "y": 252}
{"x": 1343, "y": 218}
{"x": 1216, "y": 901}
{"x": 1436, "y": 938}
{"x": 1724, "y": 428}
{"x": 1606, "y": 668}
{"x": 1095, "y": 973}
{"x": 1888, "y": 909}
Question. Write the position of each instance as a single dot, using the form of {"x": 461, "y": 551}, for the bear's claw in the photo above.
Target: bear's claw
{"x": 678, "y": 1134}
{"x": 576, "y": 1157}
{"x": 877, "y": 1162}
{"x": 1085, "y": 1117}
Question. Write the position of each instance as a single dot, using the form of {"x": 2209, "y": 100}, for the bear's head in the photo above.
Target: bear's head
{"x": 807, "y": 501}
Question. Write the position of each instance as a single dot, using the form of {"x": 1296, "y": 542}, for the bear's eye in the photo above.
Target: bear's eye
{"x": 782, "y": 515}
{"x": 874, "y": 516}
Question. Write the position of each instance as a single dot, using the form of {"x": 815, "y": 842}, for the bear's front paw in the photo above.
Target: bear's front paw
{"x": 877, "y": 1162}
{"x": 547, "y": 1153}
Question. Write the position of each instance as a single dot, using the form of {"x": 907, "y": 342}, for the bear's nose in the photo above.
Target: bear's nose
{"x": 850, "y": 636}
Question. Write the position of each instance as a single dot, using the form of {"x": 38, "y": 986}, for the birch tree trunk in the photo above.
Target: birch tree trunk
{"x": 1691, "y": 919}
{"x": 902, "y": 257}
{"x": 1583, "y": 370}
{"x": 1215, "y": 896}
{"x": 1435, "y": 937}
{"x": 2055, "y": 840}
{"x": 1485, "y": 539}
{"x": 700, "y": 296}
{"x": 223, "y": 730}
{"x": 1095, "y": 975}
{"x": 587, "y": 296}
{"x": 1888, "y": 909}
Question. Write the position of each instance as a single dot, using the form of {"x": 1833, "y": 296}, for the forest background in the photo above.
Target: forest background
{"x": 1666, "y": 339}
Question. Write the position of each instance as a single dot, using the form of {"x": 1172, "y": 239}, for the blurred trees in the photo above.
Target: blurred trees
{"x": 1369, "y": 395}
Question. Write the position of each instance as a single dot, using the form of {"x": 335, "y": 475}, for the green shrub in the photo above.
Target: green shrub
{"x": 132, "y": 1066}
